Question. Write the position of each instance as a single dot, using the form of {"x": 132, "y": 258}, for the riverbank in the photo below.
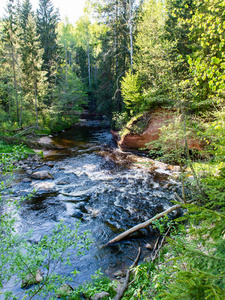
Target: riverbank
{"x": 82, "y": 181}
{"x": 109, "y": 191}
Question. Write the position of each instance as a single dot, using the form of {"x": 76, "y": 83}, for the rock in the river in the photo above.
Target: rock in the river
{"x": 100, "y": 296}
{"x": 26, "y": 180}
{"x": 29, "y": 172}
{"x": 77, "y": 214}
{"x": 41, "y": 175}
{"x": 32, "y": 279}
{"x": 150, "y": 245}
{"x": 119, "y": 274}
{"x": 24, "y": 167}
{"x": 62, "y": 182}
{"x": 166, "y": 186}
{"x": 50, "y": 164}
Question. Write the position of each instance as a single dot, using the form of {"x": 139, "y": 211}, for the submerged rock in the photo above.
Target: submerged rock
{"x": 62, "y": 182}
{"x": 50, "y": 164}
{"x": 77, "y": 214}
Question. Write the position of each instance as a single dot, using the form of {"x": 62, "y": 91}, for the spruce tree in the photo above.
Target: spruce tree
{"x": 24, "y": 11}
{"x": 34, "y": 80}
{"x": 10, "y": 49}
{"x": 47, "y": 21}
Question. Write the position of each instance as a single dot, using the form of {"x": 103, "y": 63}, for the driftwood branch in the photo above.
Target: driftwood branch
{"x": 142, "y": 225}
{"x": 126, "y": 282}
{"x": 177, "y": 197}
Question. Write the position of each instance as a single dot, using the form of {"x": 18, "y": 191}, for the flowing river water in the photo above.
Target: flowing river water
{"x": 105, "y": 188}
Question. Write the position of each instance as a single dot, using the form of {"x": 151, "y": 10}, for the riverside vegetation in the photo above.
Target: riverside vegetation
{"x": 134, "y": 56}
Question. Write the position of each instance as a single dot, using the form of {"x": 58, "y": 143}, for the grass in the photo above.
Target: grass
{"x": 6, "y": 148}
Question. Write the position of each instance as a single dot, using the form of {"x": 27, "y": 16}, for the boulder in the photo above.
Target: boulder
{"x": 32, "y": 279}
{"x": 119, "y": 274}
{"x": 26, "y": 180}
{"x": 41, "y": 175}
{"x": 150, "y": 245}
{"x": 29, "y": 172}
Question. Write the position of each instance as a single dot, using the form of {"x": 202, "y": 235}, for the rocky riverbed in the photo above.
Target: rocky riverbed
{"x": 91, "y": 180}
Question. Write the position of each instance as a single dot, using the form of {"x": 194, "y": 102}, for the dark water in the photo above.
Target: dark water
{"x": 95, "y": 181}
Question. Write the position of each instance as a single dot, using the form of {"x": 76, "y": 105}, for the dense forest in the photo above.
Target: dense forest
{"x": 121, "y": 59}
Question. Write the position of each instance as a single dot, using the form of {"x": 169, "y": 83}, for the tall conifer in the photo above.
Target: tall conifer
{"x": 34, "y": 77}
{"x": 47, "y": 20}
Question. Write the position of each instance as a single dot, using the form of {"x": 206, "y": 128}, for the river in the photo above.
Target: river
{"x": 97, "y": 183}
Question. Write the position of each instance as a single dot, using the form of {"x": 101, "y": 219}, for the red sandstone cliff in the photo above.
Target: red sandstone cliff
{"x": 157, "y": 119}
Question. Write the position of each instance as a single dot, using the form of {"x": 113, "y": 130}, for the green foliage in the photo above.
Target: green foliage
{"x": 120, "y": 119}
{"x": 70, "y": 96}
{"x": 98, "y": 284}
{"x": 17, "y": 150}
{"x": 11, "y": 153}
{"x": 170, "y": 145}
{"x": 207, "y": 62}
{"x": 131, "y": 92}
{"x": 135, "y": 125}
{"x": 153, "y": 58}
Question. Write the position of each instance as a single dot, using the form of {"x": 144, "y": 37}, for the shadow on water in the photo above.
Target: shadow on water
{"x": 107, "y": 195}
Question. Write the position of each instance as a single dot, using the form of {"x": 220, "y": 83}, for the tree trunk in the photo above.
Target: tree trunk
{"x": 66, "y": 62}
{"x": 89, "y": 61}
{"x": 21, "y": 101}
{"x": 131, "y": 34}
{"x": 36, "y": 106}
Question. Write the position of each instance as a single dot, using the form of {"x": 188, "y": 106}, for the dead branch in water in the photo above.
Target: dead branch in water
{"x": 142, "y": 225}
{"x": 154, "y": 256}
{"x": 126, "y": 282}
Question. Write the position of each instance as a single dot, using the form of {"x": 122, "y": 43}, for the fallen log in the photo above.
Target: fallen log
{"x": 142, "y": 225}
{"x": 24, "y": 130}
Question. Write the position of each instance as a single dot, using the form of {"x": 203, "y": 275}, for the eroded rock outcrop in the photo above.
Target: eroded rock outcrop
{"x": 156, "y": 119}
